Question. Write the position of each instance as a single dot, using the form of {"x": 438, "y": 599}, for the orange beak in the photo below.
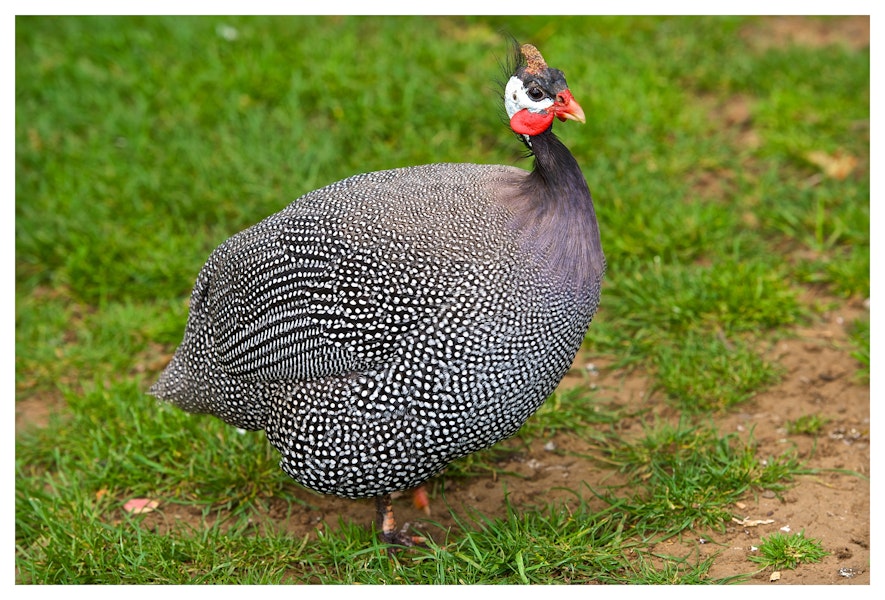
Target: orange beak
{"x": 566, "y": 107}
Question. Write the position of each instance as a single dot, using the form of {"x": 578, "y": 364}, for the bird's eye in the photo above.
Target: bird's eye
{"x": 536, "y": 94}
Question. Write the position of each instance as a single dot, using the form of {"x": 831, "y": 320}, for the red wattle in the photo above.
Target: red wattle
{"x": 530, "y": 123}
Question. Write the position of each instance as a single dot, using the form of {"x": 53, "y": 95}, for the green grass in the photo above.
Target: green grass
{"x": 860, "y": 335}
{"x": 788, "y": 551}
{"x": 730, "y": 373}
{"x": 684, "y": 477}
{"x": 143, "y": 142}
{"x": 807, "y": 424}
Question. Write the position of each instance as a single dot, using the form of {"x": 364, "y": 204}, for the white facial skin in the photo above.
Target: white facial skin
{"x": 516, "y": 99}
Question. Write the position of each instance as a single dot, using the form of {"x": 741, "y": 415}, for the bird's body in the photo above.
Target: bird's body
{"x": 382, "y": 326}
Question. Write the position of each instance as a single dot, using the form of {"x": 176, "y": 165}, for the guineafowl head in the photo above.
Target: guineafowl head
{"x": 536, "y": 93}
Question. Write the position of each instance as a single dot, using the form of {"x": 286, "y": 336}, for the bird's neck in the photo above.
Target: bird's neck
{"x": 557, "y": 217}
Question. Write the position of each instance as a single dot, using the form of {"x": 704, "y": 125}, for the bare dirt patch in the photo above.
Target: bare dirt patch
{"x": 34, "y": 411}
{"x": 778, "y": 32}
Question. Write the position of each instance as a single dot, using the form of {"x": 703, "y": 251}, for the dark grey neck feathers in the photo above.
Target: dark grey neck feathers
{"x": 556, "y": 215}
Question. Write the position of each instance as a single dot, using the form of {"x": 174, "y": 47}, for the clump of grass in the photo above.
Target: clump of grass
{"x": 735, "y": 295}
{"x": 89, "y": 549}
{"x": 860, "y": 336}
{"x": 788, "y": 551}
{"x": 707, "y": 373}
{"x": 697, "y": 325}
{"x": 537, "y": 547}
{"x": 675, "y": 570}
{"x": 550, "y": 545}
{"x": 846, "y": 271}
{"x": 682, "y": 476}
{"x": 807, "y": 424}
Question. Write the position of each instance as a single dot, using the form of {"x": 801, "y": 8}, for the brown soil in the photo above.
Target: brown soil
{"x": 776, "y": 32}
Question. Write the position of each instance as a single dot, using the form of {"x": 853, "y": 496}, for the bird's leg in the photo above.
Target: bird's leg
{"x": 387, "y": 525}
{"x": 420, "y": 499}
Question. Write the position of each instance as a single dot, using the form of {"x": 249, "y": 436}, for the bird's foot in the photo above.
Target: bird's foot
{"x": 403, "y": 538}
{"x": 387, "y": 531}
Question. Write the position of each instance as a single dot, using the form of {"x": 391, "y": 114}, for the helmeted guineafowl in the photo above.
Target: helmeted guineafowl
{"x": 387, "y": 324}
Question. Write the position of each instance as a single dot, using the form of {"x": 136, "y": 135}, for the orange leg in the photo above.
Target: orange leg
{"x": 420, "y": 499}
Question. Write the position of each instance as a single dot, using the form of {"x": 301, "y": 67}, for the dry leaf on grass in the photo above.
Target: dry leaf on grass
{"x": 836, "y": 166}
{"x": 748, "y": 522}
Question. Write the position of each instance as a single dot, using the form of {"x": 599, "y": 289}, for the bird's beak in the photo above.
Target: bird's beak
{"x": 566, "y": 107}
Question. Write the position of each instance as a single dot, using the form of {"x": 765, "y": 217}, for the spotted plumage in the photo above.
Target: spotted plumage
{"x": 382, "y": 326}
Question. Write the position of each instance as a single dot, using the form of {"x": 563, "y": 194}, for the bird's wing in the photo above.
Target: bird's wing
{"x": 292, "y": 298}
